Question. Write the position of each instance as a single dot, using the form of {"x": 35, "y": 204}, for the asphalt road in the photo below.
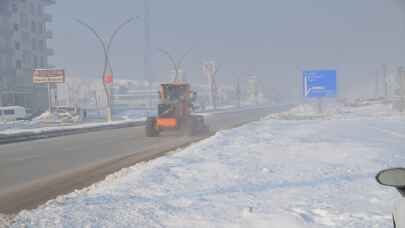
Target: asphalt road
{"x": 34, "y": 172}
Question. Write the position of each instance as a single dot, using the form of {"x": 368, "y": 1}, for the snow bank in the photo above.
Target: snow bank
{"x": 336, "y": 110}
{"x": 309, "y": 111}
{"x": 379, "y": 110}
{"x": 273, "y": 173}
{"x": 4, "y": 220}
{"x": 59, "y": 117}
{"x": 45, "y": 115}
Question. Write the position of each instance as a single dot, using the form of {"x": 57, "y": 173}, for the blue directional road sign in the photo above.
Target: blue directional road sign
{"x": 320, "y": 83}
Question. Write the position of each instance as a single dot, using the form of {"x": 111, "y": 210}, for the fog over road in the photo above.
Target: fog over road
{"x": 33, "y": 172}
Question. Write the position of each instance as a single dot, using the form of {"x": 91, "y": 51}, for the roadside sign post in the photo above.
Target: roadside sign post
{"x": 320, "y": 105}
{"x": 49, "y": 77}
{"x": 319, "y": 84}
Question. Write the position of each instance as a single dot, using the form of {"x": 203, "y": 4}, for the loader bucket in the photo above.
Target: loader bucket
{"x": 166, "y": 122}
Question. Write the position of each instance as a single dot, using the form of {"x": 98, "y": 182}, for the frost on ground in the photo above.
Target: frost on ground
{"x": 338, "y": 110}
{"x": 272, "y": 173}
{"x": 4, "y": 220}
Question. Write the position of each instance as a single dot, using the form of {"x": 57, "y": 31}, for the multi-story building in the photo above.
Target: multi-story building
{"x": 23, "y": 47}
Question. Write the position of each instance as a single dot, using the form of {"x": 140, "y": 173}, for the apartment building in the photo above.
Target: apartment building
{"x": 23, "y": 47}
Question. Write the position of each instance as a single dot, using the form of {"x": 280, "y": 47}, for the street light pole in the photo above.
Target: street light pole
{"x": 147, "y": 49}
{"x": 176, "y": 64}
{"x": 147, "y": 38}
{"x": 107, "y": 61}
{"x": 211, "y": 70}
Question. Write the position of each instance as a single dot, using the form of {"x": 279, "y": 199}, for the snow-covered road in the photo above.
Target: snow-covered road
{"x": 272, "y": 173}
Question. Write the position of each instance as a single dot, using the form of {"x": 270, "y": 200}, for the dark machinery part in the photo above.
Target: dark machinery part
{"x": 150, "y": 127}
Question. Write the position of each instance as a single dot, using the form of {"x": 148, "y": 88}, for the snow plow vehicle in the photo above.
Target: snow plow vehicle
{"x": 175, "y": 112}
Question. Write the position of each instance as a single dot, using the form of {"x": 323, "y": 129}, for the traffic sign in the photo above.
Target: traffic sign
{"x": 320, "y": 83}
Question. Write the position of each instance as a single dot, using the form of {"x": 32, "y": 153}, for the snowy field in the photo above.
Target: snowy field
{"x": 292, "y": 170}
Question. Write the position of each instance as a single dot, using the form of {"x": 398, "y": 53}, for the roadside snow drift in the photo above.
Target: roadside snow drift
{"x": 277, "y": 173}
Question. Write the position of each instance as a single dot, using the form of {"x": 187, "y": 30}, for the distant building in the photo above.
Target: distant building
{"x": 23, "y": 46}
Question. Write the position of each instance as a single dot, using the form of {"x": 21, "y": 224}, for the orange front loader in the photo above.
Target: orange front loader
{"x": 175, "y": 112}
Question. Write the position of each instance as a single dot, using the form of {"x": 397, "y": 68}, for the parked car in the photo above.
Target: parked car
{"x": 395, "y": 178}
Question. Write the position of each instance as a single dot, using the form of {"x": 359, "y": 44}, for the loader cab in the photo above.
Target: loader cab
{"x": 173, "y": 92}
{"x": 174, "y": 100}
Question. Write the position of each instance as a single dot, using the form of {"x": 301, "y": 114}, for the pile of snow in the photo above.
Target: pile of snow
{"x": 378, "y": 110}
{"x": 5, "y": 219}
{"x": 45, "y": 116}
{"x": 361, "y": 102}
{"x": 57, "y": 117}
{"x": 273, "y": 173}
{"x": 310, "y": 111}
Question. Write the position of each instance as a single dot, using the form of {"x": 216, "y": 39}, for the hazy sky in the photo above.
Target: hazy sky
{"x": 272, "y": 39}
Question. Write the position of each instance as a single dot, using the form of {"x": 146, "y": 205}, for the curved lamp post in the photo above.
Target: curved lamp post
{"x": 107, "y": 71}
{"x": 176, "y": 64}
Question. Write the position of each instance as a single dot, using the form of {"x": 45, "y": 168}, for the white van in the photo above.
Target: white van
{"x": 12, "y": 113}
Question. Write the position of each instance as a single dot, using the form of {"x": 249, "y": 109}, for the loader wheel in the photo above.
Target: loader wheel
{"x": 195, "y": 126}
{"x": 203, "y": 128}
{"x": 189, "y": 127}
{"x": 150, "y": 127}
